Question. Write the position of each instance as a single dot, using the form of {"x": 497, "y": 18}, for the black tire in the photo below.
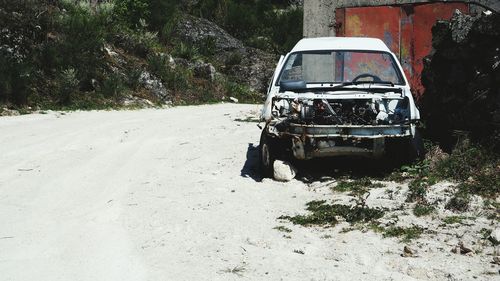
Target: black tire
{"x": 416, "y": 147}
{"x": 267, "y": 154}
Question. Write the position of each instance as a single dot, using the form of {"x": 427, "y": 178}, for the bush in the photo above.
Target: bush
{"x": 82, "y": 44}
{"x": 67, "y": 84}
{"x": 112, "y": 87}
{"x": 161, "y": 12}
{"x": 422, "y": 209}
{"x": 326, "y": 214}
{"x": 185, "y": 51}
{"x": 475, "y": 167}
{"x": 131, "y": 12}
{"x": 269, "y": 25}
{"x": 175, "y": 79}
{"x": 234, "y": 58}
{"x": 287, "y": 29}
{"x": 137, "y": 41}
{"x": 24, "y": 25}
{"x": 461, "y": 81}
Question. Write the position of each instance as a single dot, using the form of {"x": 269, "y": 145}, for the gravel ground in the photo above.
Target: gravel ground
{"x": 172, "y": 194}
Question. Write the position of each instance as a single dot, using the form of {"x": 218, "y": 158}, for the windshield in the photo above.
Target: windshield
{"x": 340, "y": 67}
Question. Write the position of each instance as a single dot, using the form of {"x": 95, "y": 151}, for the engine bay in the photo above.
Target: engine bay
{"x": 354, "y": 111}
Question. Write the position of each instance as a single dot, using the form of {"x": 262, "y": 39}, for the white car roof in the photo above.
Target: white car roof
{"x": 340, "y": 43}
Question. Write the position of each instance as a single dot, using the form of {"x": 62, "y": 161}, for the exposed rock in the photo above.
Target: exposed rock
{"x": 462, "y": 249}
{"x": 200, "y": 31}
{"x": 235, "y": 100}
{"x": 154, "y": 85}
{"x": 204, "y": 70}
{"x": 408, "y": 252}
{"x": 495, "y": 236}
{"x": 137, "y": 102}
{"x": 255, "y": 69}
{"x": 183, "y": 62}
{"x": 283, "y": 171}
{"x": 245, "y": 65}
{"x": 8, "y": 112}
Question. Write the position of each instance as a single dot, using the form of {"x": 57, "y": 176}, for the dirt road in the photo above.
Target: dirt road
{"x": 167, "y": 195}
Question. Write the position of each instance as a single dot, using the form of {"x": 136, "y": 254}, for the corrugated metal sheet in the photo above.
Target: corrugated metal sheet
{"x": 406, "y": 30}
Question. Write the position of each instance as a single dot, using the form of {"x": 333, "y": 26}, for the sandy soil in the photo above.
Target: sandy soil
{"x": 172, "y": 195}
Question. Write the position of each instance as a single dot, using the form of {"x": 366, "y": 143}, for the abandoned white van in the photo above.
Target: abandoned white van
{"x": 338, "y": 96}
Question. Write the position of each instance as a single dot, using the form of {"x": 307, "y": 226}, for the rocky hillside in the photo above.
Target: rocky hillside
{"x": 75, "y": 55}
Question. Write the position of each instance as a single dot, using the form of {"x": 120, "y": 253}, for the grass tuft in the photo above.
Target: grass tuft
{"x": 406, "y": 234}
{"x": 454, "y": 219}
{"x": 356, "y": 187}
{"x": 422, "y": 209}
{"x": 326, "y": 214}
{"x": 283, "y": 229}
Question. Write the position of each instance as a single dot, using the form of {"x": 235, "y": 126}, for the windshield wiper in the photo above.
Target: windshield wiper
{"x": 343, "y": 84}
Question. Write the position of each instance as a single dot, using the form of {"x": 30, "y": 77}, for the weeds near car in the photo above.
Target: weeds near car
{"x": 238, "y": 270}
{"x": 248, "y": 119}
{"x": 283, "y": 229}
{"x": 454, "y": 219}
{"x": 406, "y": 234}
{"x": 423, "y": 209}
{"x": 328, "y": 215}
{"x": 356, "y": 187}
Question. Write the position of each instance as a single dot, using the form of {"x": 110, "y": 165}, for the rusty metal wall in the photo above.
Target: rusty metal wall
{"x": 406, "y": 30}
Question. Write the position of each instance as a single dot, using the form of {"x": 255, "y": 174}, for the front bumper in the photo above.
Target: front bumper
{"x": 350, "y": 131}
{"x": 313, "y": 141}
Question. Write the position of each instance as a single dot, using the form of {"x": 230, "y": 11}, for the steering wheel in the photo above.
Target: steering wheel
{"x": 366, "y": 75}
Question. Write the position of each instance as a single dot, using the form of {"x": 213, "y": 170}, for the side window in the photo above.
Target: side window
{"x": 293, "y": 68}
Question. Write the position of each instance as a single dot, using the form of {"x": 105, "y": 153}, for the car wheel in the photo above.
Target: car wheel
{"x": 267, "y": 154}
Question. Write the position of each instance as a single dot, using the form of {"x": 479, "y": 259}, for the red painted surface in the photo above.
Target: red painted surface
{"x": 406, "y": 30}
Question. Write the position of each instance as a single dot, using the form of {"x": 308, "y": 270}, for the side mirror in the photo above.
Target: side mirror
{"x": 292, "y": 85}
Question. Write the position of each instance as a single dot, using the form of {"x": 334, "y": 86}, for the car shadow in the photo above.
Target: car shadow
{"x": 251, "y": 167}
{"x": 338, "y": 167}
{"x": 322, "y": 169}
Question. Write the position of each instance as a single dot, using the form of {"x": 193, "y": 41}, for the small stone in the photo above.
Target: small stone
{"x": 204, "y": 70}
{"x": 496, "y": 260}
{"x": 9, "y": 112}
{"x": 462, "y": 249}
{"x": 153, "y": 84}
{"x": 283, "y": 171}
{"x": 235, "y": 100}
{"x": 496, "y": 251}
{"x": 408, "y": 252}
{"x": 495, "y": 236}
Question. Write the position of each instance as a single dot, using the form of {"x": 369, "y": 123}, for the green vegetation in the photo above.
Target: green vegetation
{"x": 356, "y": 187}
{"x": 421, "y": 209}
{"x": 454, "y": 219}
{"x": 283, "y": 229}
{"x": 67, "y": 54}
{"x": 327, "y": 215}
{"x": 406, "y": 234}
{"x": 474, "y": 168}
{"x": 269, "y": 25}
